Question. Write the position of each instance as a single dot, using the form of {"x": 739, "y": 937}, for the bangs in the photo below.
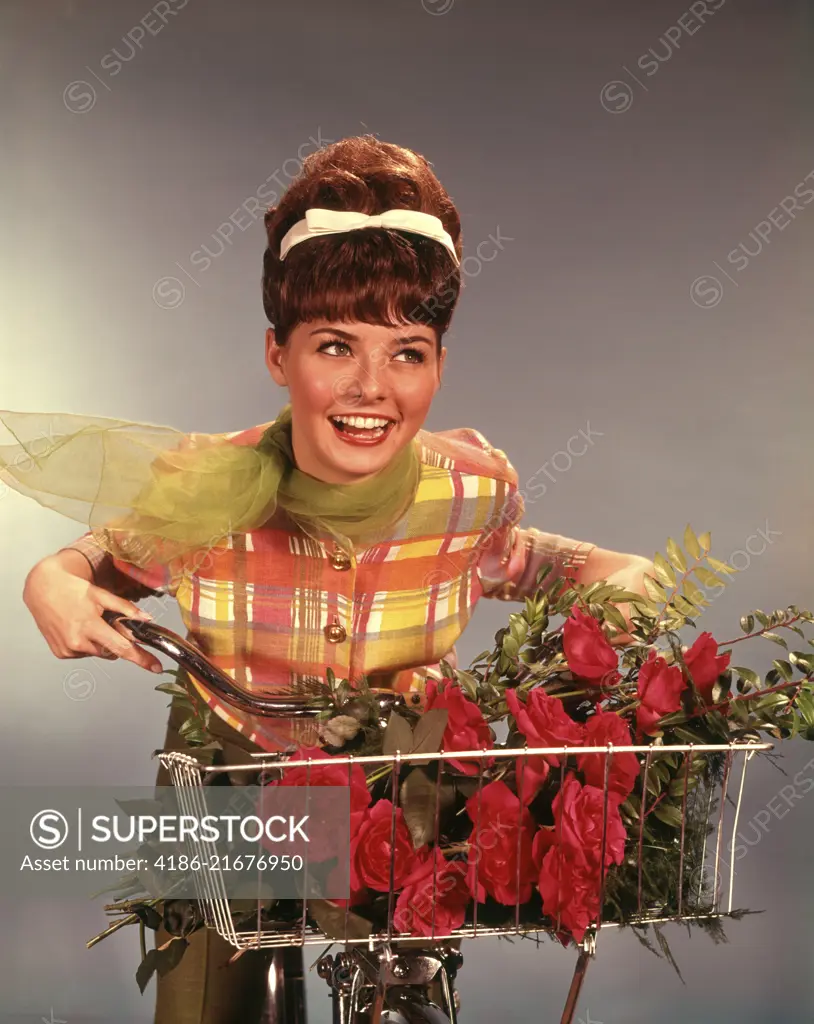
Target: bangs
{"x": 374, "y": 276}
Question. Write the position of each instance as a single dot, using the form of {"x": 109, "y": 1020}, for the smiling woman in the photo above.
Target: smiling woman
{"x": 340, "y": 540}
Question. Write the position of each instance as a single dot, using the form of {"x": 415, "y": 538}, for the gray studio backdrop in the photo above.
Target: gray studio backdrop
{"x": 635, "y": 175}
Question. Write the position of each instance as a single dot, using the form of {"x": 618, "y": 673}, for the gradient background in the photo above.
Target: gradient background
{"x": 614, "y": 200}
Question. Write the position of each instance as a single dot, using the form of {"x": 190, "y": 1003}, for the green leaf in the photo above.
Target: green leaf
{"x": 447, "y": 670}
{"x": 469, "y": 683}
{"x": 691, "y": 542}
{"x": 775, "y": 639}
{"x": 519, "y": 628}
{"x": 770, "y": 700}
{"x": 805, "y": 704}
{"x": 189, "y": 725}
{"x": 709, "y": 579}
{"x": 398, "y": 736}
{"x": 654, "y": 589}
{"x": 645, "y": 610}
{"x": 719, "y": 566}
{"x": 684, "y": 606}
{"x": 337, "y": 922}
{"x": 676, "y": 556}
{"x": 602, "y": 592}
{"x": 705, "y": 540}
{"x": 748, "y": 674}
{"x": 664, "y": 572}
{"x": 173, "y": 689}
{"x": 669, "y": 814}
{"x": 802, "y": 660}
{"x": 624, "y": 596}
{"x": 653, "y": 781}
{"x": 615, "y": 617}
{"x": 483, "y": 656}
{"x": 785, "y": 669}
{"x": 510, "y": 646}
{"x": 694, "y": 595}
{"x": 761, "y": 617}
{"x": 747, "y": 623}
{"x": 676, "y": 787}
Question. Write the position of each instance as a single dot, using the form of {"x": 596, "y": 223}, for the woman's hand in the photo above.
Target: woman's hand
{"x": 623, "y": 570}
{"x": 67, "y": 608}
{"x": 631, "y": 578}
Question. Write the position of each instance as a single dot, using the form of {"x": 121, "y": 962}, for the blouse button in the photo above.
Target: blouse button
{"x": 334, "y": 633}
{"x": 340, "y": 560}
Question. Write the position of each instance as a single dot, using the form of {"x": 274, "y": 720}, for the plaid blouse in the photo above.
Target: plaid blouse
{"x": 275, "y": 608}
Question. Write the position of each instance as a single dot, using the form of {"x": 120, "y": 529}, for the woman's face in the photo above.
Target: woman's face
{"x": 359, "y": 393}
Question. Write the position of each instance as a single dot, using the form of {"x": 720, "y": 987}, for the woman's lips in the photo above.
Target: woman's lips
{"x": 365, "y": 438}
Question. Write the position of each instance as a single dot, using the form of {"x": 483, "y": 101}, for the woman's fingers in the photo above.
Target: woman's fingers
{"x": 112, "y": 602}
{"x": 123, "y": 646}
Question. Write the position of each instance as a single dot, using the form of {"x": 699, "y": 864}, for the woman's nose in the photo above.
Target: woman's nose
{"x": 365, "y": 383}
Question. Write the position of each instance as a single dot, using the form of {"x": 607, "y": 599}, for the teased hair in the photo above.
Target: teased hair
{"x": 373, "y": 276}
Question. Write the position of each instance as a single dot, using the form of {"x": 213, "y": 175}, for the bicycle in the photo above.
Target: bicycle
{"x": 386, "y": 977}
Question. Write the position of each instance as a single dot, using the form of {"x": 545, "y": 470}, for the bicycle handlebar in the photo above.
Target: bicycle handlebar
{"x": 198, "y": 665}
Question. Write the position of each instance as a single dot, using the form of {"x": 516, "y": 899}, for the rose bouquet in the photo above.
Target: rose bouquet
{"x": 553, "y": 842}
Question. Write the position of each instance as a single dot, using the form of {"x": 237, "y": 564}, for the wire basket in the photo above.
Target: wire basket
{"x": 699, "y": 889}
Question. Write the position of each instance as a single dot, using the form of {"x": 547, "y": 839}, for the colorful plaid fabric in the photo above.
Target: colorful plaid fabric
{"x": 275, "y": 608}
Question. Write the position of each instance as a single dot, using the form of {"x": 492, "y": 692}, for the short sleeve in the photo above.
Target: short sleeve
{"x": 529, "y": 551}
{"x": 150, "y": 579}
{"x": 511, "y": 556}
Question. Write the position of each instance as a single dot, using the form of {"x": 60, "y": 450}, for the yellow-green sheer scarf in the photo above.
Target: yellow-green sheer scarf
{"x": 153, "y": 494}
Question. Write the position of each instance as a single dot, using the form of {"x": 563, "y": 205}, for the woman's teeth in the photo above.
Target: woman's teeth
{"x": 372, "y": 425}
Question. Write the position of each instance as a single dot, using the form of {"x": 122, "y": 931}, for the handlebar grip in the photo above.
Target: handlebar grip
{"x": 198, "y": 665}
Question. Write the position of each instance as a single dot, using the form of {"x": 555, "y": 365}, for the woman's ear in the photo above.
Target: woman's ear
{"x": 274, "y": 358}
{"x": 441, "y": 360}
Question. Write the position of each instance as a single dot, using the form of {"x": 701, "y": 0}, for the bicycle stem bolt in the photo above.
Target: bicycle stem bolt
{"x": 400, "y": 968}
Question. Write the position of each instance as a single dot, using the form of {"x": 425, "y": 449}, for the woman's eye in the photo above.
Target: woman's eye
{"x": 334, "y": 344}
{"x": 418, "y": 356}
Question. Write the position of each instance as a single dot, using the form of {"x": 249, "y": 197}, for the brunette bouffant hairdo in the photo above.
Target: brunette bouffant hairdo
{"x": 375, "y": 276}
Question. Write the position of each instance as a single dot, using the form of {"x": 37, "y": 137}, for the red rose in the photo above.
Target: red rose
{"x": 324, "y": 773}
{"x": 578, "y": 814}
{"x": 601, "y": 728}
{"x": 430, "y": 905}
{"x": 493, "y": 851}
{"x": 568, "y": 894}
{"x": 466, "y": 727}
{"x": 587, "y": 650}
{"x": 545, "y": 722}
{"x": 371, "y": 850}
{"x": 531, "y": 773}
{"x": 660, "y": 688}
{"x": 705, "y": 664}
{"x": 571, "y": 852}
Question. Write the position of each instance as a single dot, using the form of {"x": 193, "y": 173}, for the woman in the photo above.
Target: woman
{"x": 375, "y": 556}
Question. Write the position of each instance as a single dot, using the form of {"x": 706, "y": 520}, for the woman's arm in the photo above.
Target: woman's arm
{"x": 119, "y": 576}
{"x": 513, "y": 576}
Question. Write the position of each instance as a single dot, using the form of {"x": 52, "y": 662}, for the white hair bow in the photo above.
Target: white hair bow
{"x": 318, "y": 222}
